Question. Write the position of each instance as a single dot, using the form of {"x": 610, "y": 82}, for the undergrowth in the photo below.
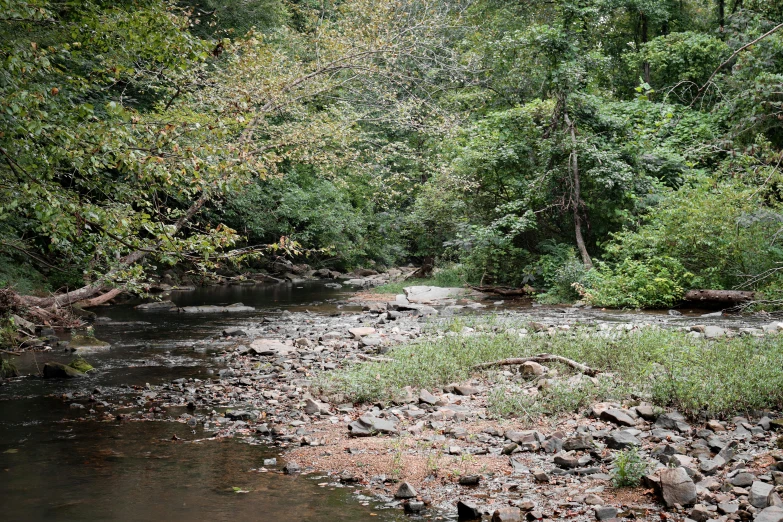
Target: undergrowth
{"x": 451, "y": 277}
{"x": 668, "y": 368}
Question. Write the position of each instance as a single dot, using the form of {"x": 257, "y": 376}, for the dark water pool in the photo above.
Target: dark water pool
{"x": 56, "y": 466}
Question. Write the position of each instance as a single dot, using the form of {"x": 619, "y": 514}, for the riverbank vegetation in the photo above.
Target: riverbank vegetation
{"x": 620, "y": 152}
{"x": 668, "y": 368}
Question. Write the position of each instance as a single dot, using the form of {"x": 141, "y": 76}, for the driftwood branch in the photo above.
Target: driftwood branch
{"x": 719, "y": 296}
{"x": 101, "y": 299}
{"x": 542, "y": 357}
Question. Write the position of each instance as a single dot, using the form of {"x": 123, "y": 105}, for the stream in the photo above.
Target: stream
{"x": 55, "y": 465}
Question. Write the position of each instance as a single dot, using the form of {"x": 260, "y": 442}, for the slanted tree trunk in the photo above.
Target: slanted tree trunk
{"x": 577, "y": 196}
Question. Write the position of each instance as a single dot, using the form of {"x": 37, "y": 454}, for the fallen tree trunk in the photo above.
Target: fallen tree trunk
{"x": 504, "y": 291}
{"x": 719, "y": 296}
{"x": 101, "y": 299}
{"x": 542, "y": 357}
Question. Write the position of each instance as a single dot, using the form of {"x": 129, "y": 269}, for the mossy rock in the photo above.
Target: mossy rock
{"x": 86, "y": 343}
{"x": 55, "y": 370}
{"x": 81, "y": 365}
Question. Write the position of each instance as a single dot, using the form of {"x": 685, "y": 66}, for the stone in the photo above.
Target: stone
{"x": 759, "y": 494}
{"x": 413, "y": 506}
{"x": 211, "y": 309}
{"x": 270, "y": 462}
{"x": 712, "y": 466}
{"x": 673, "y": 421}
{"x": 622, "y": 439}
{"x": 540, "y": 475}
{"x": 291, "y": 468}
{"x": 583, "y": 441}
{"x": 677, "y": 487}
{"x": 312, "y": 407}
{"x": 507, "y": 514}
{"x": 532, "y": 369}
{"x": 234, "y": 332}
{"x": 593, "y": 500}
{"x": 712, "y": 332}
{"x": 157, "y": 306}
{"x": 566, "y": 460}
{"x": 770, "y": 514}
{"x": 405, "y": 491}
{"x": 270, "y": 347}
{"x": 647, "y": 412}
{"x": 426, "y": 397}
{"x": 465, "y": 390}
{"x": 605, "y": 512}
{"x": 467, "y": 511}
{"x": 358, "y": 333}
{"x": 368, "y": 425}
{"x": 618, "y": 416}
{"x": 699, "y": 513}
{"x": 743, "y": 480}
{"x": 55, "y": 370}
{"x": 469, "y": 480}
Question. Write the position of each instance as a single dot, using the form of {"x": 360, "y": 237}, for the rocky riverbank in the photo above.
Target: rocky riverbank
{"x": 440, "y": 451}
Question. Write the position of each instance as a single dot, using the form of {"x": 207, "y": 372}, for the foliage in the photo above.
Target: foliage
{"x": 628, "y": 468}
{"x": 669, "y": 368}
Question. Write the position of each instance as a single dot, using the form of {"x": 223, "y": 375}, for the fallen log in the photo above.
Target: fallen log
{"x": 719, "y": 296}
{"x": 542, "y": 357}
{"x": 505, "y": 291}
{"x": 101, "y": 299}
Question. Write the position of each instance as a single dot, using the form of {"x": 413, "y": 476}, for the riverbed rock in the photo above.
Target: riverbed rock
{"x": 677, "y": 487}
{"x": 405, "y": 491}
{"x": 507, "y": 514}
{"x": 759, "y": 494}
{"x": 55, "y": 370}
{"x": 291, "y": 468}
{"x": 673, "y": 421}
{"x": 368, "y": 425}
{"x": 360, "y": 332}
{"x": 770, "y": 514}
{"x": 269, "y": 347}
{"x": 212, "y": 309}
{"x": 622, "y": 439}
{"x": 467, "y": 511}
{"x": 86, "y": 344}
{"x": 618, "y": 416}
{"x": 157, "y": 306}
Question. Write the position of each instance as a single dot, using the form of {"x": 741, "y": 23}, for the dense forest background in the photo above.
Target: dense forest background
{"x": 621, "y": 151}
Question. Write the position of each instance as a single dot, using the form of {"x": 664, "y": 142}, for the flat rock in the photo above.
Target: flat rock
{"x": 368, "y": 425}
{"x": 618, "y": 416}
{"x": 673, "y": 421}
{"x": 212, "y": 309}
{"x": 465, "y": 390}
{"x": 271, "y": 347}
{"x": 360, "y": 332}
{"x": 157, "y": 306}
{"x": 579, "y": 442}
{"x": 433, "y": 295}
{"x": 622, "y": 439}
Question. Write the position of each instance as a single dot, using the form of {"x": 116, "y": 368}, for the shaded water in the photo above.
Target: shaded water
{"x": 54, "y": 466}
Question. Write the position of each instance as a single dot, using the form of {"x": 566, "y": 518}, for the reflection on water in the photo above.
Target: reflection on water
{"x": 55, "y": 467}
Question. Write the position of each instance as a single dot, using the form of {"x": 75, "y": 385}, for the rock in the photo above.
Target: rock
{"x": 413, "y": 506}
{"x": 368, "y": 425}
{"x": 759, "y": 494}
{"x": 711, "y": 466}
{"x": 673, "y": 421}
{"x": 532, "y": 369}
{"x": 55, "y": 370}
{"x": 743, "y": 480}
{"x": 618, "y": 416}
{"x": 646, "y": 412}
{"x": 507, "y": 514}
{"x": 433, "y": 295}
{"x": 622, "y": 439}
{"x": 234, "y": 332}
{"x": 157, "y": 306}
{"x": 712, "y": 332}
{"x": 605, "y": 512}
{"x": 405, "y": 491}
{"x": 270, "y": 462}
{"x": 677, "y": 487}
{"x": 426, "y": 397}
{"x": 465, "y": 390}
{"x": 467, "y": 511}
{"x": 699, "y": 513}
{"x": 312, "y": 407}
{"x": 358, "y": 333}
{"x": 566, "y": 460}
{"x": 581, "y": 441}
{"x": 540, "y": 476}
{"x": 770, "y": 514}
{"x": 469, "y": 480}
{"x": 212, "y": 309}
{"x": 270, "y": 347}
{"x": 291, "y": 468}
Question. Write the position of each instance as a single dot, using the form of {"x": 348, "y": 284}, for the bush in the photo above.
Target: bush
{"x": 657, "y": 283}
{"x": 629, "y": 468}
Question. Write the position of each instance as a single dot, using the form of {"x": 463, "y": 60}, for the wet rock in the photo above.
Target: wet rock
{"x": 55, "y": 370}
{"x": 467, "y": 511}
{"x": 405, "y": 491}
{"x": 234, "y": 332}
{"x": 368, "y": 425}
{"x": 413, "y": 506}
{"x": 759, "y": 494}
{"x": 677, "y": 487}
{"x": 291, "y": 468}
{"x": 212, "y": 309}
{"x": 507, "y": 514}
{"x": 157, "y": 306}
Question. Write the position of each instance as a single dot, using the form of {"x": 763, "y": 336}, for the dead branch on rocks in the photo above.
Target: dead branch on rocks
{"x": 542, "y": 357}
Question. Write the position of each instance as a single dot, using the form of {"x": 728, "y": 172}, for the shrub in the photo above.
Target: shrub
{"x": 629, "y": 468}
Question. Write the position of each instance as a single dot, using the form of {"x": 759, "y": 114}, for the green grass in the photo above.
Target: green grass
{"x": 668, "y": 368}
{"x": 451, "y": 277}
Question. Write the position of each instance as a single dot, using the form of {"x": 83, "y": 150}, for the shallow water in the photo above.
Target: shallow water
{"x": 54, "y": 466}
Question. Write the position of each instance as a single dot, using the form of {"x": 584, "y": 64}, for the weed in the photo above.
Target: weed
{"x": 629, "y": 468}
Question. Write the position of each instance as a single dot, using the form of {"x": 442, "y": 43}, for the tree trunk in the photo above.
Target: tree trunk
{"x": 721, "y": 14}
{"x": 101, "y": 299}
{"x": 577, "y": 196}
{"x": 645, "y": 36}
{"x": 88, "y": 291}
{"x": 719, "y": 296}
